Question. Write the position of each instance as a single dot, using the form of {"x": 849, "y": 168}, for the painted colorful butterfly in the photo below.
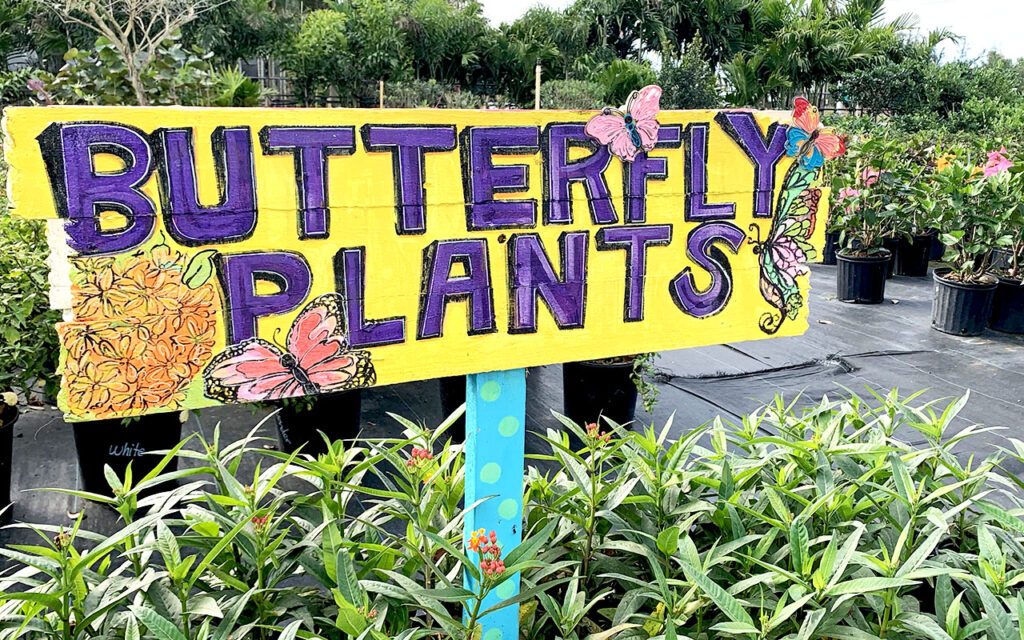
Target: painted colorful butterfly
{"x": 783, "y": 255}
{"x": 808, "y": 140}
{"x": 631, "y": 129}
{"x": 316, "y": 360}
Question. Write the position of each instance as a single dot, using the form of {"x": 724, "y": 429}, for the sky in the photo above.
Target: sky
{"x": 984, "y": 24}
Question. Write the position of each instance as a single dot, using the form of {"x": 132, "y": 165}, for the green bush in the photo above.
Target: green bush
{"x": 688, "y": 81}
{"x": 14, "y": 86}
{"x": 28, "y": 338}
{"x": 571, "y": 94}
{"x": 815, "y": 523}
{"x": 413, "y": 94}
{"x": 318, "y": 56}
{"x": 175, "y": 75}
{"x": 622, "y": 77}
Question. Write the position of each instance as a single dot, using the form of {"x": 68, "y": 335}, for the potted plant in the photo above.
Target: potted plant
{"x": 608, "y": 387}
{"x": 300, "y": 421}
{"x": 1008, "y": 299}
{"x": 977, "y": 214}
{"x": 864, "y": 261}
{"x": 8, "y": 417}
{"x": 118, "y": 442}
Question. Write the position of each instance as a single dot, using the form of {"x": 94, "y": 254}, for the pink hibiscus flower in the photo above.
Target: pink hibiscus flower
{"x": 997, "y": 162}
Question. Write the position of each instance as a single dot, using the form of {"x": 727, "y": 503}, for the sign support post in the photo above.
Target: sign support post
{"x": 495, "y": 456}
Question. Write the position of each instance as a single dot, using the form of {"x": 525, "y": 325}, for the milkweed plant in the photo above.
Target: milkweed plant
{"x": 792, "y": 523}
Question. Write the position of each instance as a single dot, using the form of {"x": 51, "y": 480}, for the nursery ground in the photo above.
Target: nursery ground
{"x": 846, "y": 349}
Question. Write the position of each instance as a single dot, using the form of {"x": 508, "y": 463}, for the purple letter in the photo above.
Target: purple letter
{"x": 643, "y": 168}
{"x": 697, "y": 207}
{"x": 310, "y": 146}
{"x": 407, "y": 145}
{"x": 764, "y": 151}
{"x": 440, "y": 287}
{"x": 560, "y": 174}
{"x": 239, "y": 273}
{"x": 234, "y": 216}
{"x": 481, "y": 178}
{"x": 81, "y": 193}
{"x": 700, "y": 246}
{"x": 635, "y": 240}
{"x": 350, "y": 277}
{"x": 533, "y": 277}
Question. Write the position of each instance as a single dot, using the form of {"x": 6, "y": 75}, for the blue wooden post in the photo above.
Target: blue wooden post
{"x": 495, "y": 441}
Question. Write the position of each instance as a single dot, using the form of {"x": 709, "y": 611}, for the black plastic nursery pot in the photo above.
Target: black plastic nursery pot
{"x": 336, "y": 415}
{"x": 828, "y": 252}
{"x": 8, "y": 417}
{"x": 453, "y": 396}
{"x": 912, "y": 256}
{"x": 1008, "y": 306}
{"x": 892, "y": 245}
{"x": 961, "y": 308}
{"x": 117, "y": 443}
{"x": 591, "y": 390}
{"x": 938, "y": 249}
{"x": 861, "y": 279}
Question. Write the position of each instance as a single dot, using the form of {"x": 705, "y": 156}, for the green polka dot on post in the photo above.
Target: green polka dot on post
{"x": 508, "y": 426}
{"x": 492, "y": 634}
{"x": 490, "y": 473}
{"x": 506, "y": 589}
{"x": 508, "y": 508}
{"x": 490, "y": 391}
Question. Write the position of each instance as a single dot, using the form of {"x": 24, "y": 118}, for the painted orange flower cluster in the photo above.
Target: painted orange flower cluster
{"x": 140, "y": 334}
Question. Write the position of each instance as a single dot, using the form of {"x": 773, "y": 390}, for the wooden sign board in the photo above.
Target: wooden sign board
{"x": 234, "y": 255}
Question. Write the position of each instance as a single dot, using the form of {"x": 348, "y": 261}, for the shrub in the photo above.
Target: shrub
{"x": 28, "y": 340}
{"x": 814, "y": 523}
{"x": 318, "y": 56}
{"x": 571, "y": 94}
{"x": 413, "y": 94}
{"x": 622, "y": 77}
{"x": 175, "y": 76}
{"x": 14, "y": 87}
{"x": 688, "y": 81}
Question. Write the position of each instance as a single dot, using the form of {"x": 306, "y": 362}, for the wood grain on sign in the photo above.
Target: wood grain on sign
{"x": 212, "y": 256}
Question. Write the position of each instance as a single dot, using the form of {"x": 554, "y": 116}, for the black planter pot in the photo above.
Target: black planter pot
{"x": 8, "y": 417}
{"x": 828, "y": 252}
{"x": 938, "y": 249}
{"x": 591, "y": 390}
{"x": 1008, "y": 307}
{"x": 111, "y": 442}
{"x": 862, "y": 279}
{"x": 892, "y": 245}
{"x": 453, "y": 396}
{"x": 336, "y": 415}
{"x": 912, "y": 256}
{"x": 961, "y": 309}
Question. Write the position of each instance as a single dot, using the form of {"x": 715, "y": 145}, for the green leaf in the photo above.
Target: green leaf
{"x": 953, "y": 616}
{"x": 735, "y": 628}
{"x": 668, "y": 541}
{"x": 799, "y": 541}
{"x": 866, "y": 585}
{"x": 729, "y": 605}
{"x": 200, "y": 268}
{"x": 158, "y": 625}
{"x": 1000, "y": 626}
{"x": 348, "y": 582}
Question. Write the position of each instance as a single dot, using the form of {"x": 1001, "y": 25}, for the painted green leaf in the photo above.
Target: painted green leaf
{"x": 200, "y": 269}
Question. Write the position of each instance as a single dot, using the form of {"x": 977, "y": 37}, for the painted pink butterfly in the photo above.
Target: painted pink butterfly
{"x": 633, "y": 128}
{"x": 316, "y": 360}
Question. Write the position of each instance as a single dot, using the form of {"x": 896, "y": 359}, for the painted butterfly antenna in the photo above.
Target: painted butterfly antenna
{"x": 770, "y": 323}
{"x": 275, "y": 340}
{"x": 756, "y": 229}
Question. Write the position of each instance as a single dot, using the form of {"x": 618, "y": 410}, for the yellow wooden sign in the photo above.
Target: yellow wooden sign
{"x": 233, "y": 255}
